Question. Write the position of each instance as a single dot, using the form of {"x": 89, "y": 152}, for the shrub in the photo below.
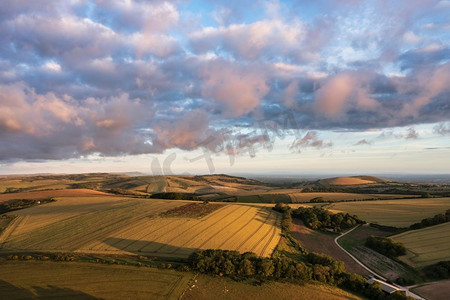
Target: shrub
{"x": 385, "y": 246}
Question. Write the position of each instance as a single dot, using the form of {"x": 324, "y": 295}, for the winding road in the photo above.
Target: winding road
{"x": 406, "y": 289}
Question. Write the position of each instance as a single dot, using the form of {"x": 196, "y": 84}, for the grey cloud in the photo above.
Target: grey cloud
{"x": 442, "y": 129}
{"x": 412, "y": 134}
{"x": 310, "y": 140}
{"x": 363, "y": 142}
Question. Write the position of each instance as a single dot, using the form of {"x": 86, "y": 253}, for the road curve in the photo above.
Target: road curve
{"x": 406, "y": 289}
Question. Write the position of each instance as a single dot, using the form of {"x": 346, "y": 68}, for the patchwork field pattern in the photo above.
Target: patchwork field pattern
{"x": 120, "y": 225}
{"x": 398, "y": 213}
{"x": 426, "y": 246}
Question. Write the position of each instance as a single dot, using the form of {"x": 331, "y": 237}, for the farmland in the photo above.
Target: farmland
{"x": 354, "y": 243}
{"x": 320, "y": 242}
{"x": 397, "y": 213}
{"x": 208, "y": 287}
{"x": 426, "y": 246}
{"x": 43, "y": 280}
{"x": 120, "y": 225}
{"x": 434, "y": 291}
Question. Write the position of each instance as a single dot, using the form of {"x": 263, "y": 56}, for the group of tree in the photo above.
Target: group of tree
{"x": 286, "y": 221}
{"x": 437, "y": 219}
{"x": 315, "y": 267}
{"x": 175, "y": 196}
{"x": 441, "y": 270}
{"x": 385, "y": 246}
{"x": 319, "y": 218}
{"x": 21, "y": 204}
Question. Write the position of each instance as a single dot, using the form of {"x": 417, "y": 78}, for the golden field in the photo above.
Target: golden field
{"x": 122, "y": 225}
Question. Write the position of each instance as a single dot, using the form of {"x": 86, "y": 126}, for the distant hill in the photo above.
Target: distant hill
{"x": 353, "y": 180}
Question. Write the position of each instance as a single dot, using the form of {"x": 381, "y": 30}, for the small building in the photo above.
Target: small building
{"x": 385, "y": 287}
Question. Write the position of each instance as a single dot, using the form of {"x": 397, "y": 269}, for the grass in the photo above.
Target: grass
{"x": 397, "y": 213}
{"x": 358, "y": 236}
{"x": 43, "y": 280}
{"x": 354, "y": 243}
{"x": 5, "y": 220}
{"x": 214, "y": 288}
{"x": 321, "y": 242}
{"x": 426, "y": 246}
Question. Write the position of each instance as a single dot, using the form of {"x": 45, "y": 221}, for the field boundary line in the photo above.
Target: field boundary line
{"x": 202, "y": 231}
{"x": 271, "y": 238}
{"x": 172, "y": 229}
{"x": 217, "y": 232}
{"x": 9, "y": 230}
{"x": 255, "y": 231}
{"x": 268, "y": 232}
{"x": 238, "y": 230}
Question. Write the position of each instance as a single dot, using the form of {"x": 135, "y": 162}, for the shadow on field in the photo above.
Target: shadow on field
{"x": 141, "y": 247}
{"x": 9, "y": 291}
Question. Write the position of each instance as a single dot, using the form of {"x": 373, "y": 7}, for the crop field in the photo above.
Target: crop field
{"x": 36, "y": 195}
{"x": 354, "y": 243}
{"x": 434, "y": 291}
{"x": 426, "y": 246}
{"x": 120, "y": 225}
{"x": 61, "y": 280}
{"x": 233, "y": 227}
{"x": 321, "y": 242}
{"x": 333, "y": 197}
{"x": 397, "y": 213}
{"x": 213, "y": 288}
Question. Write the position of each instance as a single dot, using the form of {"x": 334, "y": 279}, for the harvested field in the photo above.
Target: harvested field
{"x": 120, "y": 225}
{"x": 319, "y": 242}
{"x": 397, "y": 213}
{"x": 36, "y": 195}
{"x": 434, "y": 291}
{"x": 232, "y": 227}
{"x": 61, "y": 280}
{"x": 214, "y": 288}
{"x": 426, "y": 246}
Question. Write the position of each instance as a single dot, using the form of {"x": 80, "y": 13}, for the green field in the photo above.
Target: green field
{"x": 426, "y": 246}
{"x": 398, "y": 213}
{"x": 62, "y": 280}
{"x": 215, "y": 288}
{"x": 354, "y": 243}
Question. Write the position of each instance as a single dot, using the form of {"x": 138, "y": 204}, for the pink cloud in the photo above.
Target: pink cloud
{"x": 345, "y": 91}
{"x": 239, "y": 88}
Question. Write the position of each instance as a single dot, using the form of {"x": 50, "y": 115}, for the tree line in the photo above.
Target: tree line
{"x": 435, "y": 220}
{"x": 385, "y": 246}
{"x": 315, "y": 267}
{"x": 319, "y": 218}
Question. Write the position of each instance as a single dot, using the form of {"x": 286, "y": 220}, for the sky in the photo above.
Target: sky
{"x": 199, "y": 87}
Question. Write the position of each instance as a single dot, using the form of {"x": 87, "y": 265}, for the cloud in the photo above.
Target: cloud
{"x": 342, "y": 92}
{"x": 45, "y": 126}
{"x": 266, "y": 39}
{"x": 412, "y": 134}
{"x": 442, "y": 129}
{"x": 238, "y": 88}
{"x": 363, "y": 142}
{"x": 310, "y": 140}
{"x": 127, "y": 77}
